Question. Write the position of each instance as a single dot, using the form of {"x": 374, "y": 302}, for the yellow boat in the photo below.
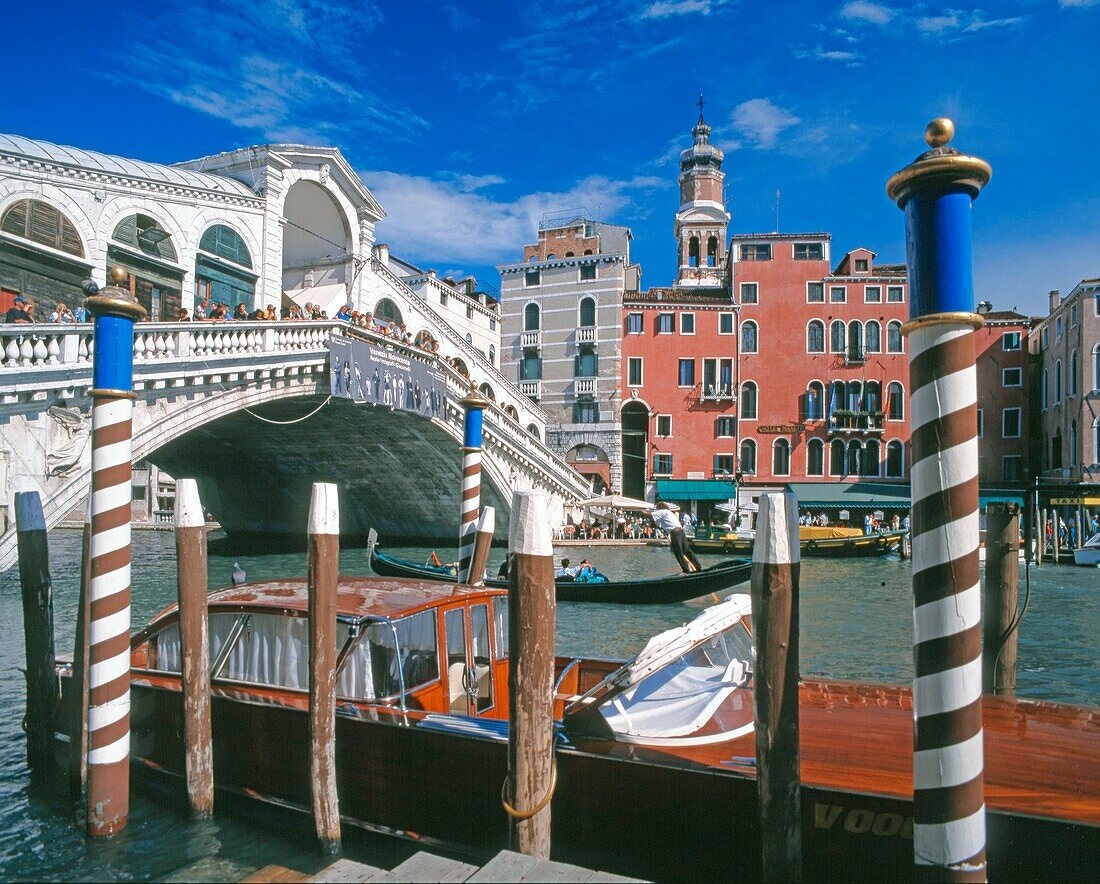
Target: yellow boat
{"x": 814, "y": 540}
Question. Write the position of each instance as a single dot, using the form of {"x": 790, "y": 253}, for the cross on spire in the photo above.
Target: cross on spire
{"x": 701, "y": 103}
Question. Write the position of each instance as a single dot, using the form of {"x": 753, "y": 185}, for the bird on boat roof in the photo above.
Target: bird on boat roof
{"x": 238, "y": 574}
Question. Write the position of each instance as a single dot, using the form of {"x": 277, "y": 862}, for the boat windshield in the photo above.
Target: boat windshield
{"x": 376, "y": 667}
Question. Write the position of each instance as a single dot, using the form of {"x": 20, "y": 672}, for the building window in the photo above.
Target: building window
{"x": 634, "y": 371}
{"x": 666, "y": 323}
{"x": 1044, "y": 390}
{"x": 443, "y": 298}
{"x": 530, "y": 368}
{"x": 662, "y": 465}
{"x": 588, "y": 272}
{"x": 756, "y": 252}
{"x": 748, "y": 457}
{"x": 895, "y": 294}
{"x": 664, "y": 425}
{"x": 1096, "y": 377}
{"x": 1057, "y": 381}
{"x": 723, "y": 464}
{"x": 725, "y": 426}
{"x": 1073, "y": 315}
{"x": 809, "y": 251}
{"x": 893, "y": 338}
{"x": 750, "y": 293}
{"x": 748, "y": 401}
{"x": 725, "y": 323}
{"x": 815, "y": 293}
{"x": 871, "y": 458}
{"x": 855, "y": 341}
{"x": 836, "y": 458}
{"x": 41, "y": 223}
{"x": 587, "y": 364}
{"x": 838, "y": 336}
{"x": 492, "y": 324}
{"x": 873, "y": 336}
{"x": 587, "y": 312}
{"x": 838, "y": 294}
{"x": 1057, "y": 329}
{"x": 781, "y": 458}
{"x": 531, "y": 317}
{"x": 1012, "y": 377}
{"x": 532, "y": 278}
{"x": 635, "y": 323}
{"x": 1044, "y": 337}
{"x": 861, "y": 265}
{"x": 895, "y": 462}
{"x": 872, "y": 294}
{"x": 586, "y": 412}
{"x": 815, "y": 401}
{"x": 469, "y": 311}
{"x": 981, "y": 423}
{"x": 1011, "y": 341}
{"x": 1010, "y": 423}
{"x": 749, "y": 344}
{"x": 693, "y": 252}
{"x": 815, "y": 458}
{"x": 687, "y": 323}
{"x": 712, "y": 252}
{"x": 895, "y": 406}
{"x": 717, "y": 378}
{"x": 1071, "y": 387}
{"x": 1012, "y": 468}
{"x": 685, "y": 376}
{"x": 815, "y": 336}
{"x": 492, "y": 355}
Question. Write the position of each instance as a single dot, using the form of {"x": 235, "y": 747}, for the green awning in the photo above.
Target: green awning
{"x": 851, "y": 495}
{"x": 696, "y": 489}
{"x": 987, "y": 496}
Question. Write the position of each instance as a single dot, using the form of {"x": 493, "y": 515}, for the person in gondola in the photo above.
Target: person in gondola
{"x": 666, "y": 520}
{"x": 565, "y": 572}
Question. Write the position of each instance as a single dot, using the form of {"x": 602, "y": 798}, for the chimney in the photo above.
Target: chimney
{"x": 382, "y": 253}
{"x": 1055, "y": 299}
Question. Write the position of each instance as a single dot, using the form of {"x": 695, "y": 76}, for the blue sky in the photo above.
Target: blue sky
{"x": 470, "y": 120}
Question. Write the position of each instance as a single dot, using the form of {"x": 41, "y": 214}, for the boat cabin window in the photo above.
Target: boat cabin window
{"x": 483, "y": 659}
{"x": 371, "y": 669}
{"x": 500, "y": 626}
{"x": 454, "y": 622}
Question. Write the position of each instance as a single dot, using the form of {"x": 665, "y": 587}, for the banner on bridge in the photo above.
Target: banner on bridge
{"x": 372, "y": 373}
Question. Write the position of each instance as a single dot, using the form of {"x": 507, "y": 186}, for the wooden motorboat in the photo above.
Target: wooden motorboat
{"x": 647, "y": 591}
{"x": 1089, "y": 554}
{"x": 814, "y": 540}
{"x": 655, "y": 757}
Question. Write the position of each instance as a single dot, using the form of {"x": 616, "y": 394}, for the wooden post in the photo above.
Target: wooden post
{"x": 474, "y": 405}
{"x": 78, "y": 726}
{"x": 486, "y": 525}
{"x": 194, "y": 647}
{"x": 775, "y": 572}
{"x": 37, "y": 588}
{"x": 1056, "y": 533}
{"x": 1081, "y": 538}
{"x": 1002, "y": 577}
{"x": 324, "y": 579}
{"x": 531, "y": 605}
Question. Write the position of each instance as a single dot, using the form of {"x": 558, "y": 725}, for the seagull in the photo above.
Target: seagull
{"x": 238, "y": 574}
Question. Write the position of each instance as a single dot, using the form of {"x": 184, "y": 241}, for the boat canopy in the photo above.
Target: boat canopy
{"x": 851, "y": 495}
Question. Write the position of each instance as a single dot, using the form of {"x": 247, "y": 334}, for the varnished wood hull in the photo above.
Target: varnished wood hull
{"x": 862, "y": 546}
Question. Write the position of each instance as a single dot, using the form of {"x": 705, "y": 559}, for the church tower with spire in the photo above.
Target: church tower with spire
{"x": 702, "y": 217}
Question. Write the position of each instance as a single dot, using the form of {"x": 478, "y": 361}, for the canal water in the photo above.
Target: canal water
{"x": 856, "y": 622}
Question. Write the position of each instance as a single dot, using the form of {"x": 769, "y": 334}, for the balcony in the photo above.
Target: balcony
{"x": 848, "y": 422}
{"x": 585, "y": 386}
{"x": 531, "y": 389}
{"x": 531, "y": 339}
{"x": 586, "y": 334}
{"x": 854, "y": 356}
{"x": 717, "y": 393}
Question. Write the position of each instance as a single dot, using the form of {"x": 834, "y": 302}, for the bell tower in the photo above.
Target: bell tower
{"x": 702, "y": 218}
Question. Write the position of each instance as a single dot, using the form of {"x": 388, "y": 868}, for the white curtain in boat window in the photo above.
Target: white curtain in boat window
{"x": 272, "y": 650}
{"x": 355, "y": 679}
{"x": 164, "y": 650}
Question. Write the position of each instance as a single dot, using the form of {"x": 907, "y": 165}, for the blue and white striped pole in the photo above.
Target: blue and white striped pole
{"x": 936, "y": 191}
{"x": 474, "y": 407}
{"x": 115, "y": 312}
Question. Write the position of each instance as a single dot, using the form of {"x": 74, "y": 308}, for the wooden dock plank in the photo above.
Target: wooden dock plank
{"x": 426, "y": 867}
{"x": 346, "y": 871}
{"x": 505, "y": 866}
{"x": 546, "y": 870}
{"x": 272, "y": 874}
{"x": 209, "y": 868}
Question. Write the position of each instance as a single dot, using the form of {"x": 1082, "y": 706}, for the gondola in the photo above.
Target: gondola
{"x": 649, "y": 591}
{"x": 841, "y": 543}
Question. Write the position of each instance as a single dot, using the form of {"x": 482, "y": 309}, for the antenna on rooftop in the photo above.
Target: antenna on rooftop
{"x": 777, "y": 211}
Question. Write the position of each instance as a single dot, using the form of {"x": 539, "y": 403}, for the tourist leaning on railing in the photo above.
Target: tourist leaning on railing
{"x": 21, "y": 312}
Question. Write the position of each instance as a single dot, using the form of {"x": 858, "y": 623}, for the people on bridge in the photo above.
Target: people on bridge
{"x": 21, "y": 311}
{"x": 182, "y": 315}
{"x": 62, "y": 314}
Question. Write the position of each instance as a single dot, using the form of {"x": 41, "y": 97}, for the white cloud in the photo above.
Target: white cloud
{"x": 818, "y": 53}
{"x": 954, "y": 21}
{"x": 864, "y": 10}
{"x": 440, "y": 221}
{"x": 760, "y": 121}
{"x": 1077, "y": 4}
{"x": 667, "y": 8}
{"x": 937, "y": 24}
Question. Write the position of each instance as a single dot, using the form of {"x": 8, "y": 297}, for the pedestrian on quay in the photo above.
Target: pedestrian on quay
{"x": 665, "y": 519}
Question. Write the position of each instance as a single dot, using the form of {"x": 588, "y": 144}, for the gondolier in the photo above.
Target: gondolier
{"x": 666, "y": 520}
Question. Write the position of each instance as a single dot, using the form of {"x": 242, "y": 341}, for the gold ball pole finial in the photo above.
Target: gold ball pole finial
{"x": 118, "y": 274}
{"x": 939, "y": 167}
{"x": 940, "y": 131}
{"x": 117, "y": 297}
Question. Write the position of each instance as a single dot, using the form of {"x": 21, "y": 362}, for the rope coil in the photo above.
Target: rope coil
{"x": 521, "y": 815}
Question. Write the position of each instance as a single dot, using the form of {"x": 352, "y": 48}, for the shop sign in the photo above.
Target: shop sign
{"x": 781, "y": 428}
{"x": 1087, "y": 501}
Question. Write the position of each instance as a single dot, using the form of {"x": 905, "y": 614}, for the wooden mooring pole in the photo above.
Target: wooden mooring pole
{"x": 37, "y": 590}
{"x": 474, "y": 406}
{"x": 532, "y": 771}
{"x": 775, "y": 572}
{"x": 194, "y": 647}
{"x": 483, "y": 542}
{"x": 1002, "y": 578}
{"x": 324, "y": 579}
{"x": 78, "y": 726}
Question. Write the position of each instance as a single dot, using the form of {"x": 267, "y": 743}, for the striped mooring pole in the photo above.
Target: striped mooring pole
{"x": 474, "y": 408}
{"x": 936, "y": 191}
{"x": 115, "y": 312}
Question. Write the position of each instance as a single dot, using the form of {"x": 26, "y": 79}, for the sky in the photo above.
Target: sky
{"x": 471, "y": 120}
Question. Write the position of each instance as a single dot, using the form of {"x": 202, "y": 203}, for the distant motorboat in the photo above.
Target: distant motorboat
{"x": 1089, "y": 554}
{"x": 814, "y": 540}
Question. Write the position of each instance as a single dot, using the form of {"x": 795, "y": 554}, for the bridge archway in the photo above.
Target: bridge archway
{"x": 317, "y": 245}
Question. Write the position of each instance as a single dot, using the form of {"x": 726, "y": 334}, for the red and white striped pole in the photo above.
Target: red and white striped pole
{"x": 474, "y": 406}
{"x": 936, "y": 191}
{"x": 115, "y": 312}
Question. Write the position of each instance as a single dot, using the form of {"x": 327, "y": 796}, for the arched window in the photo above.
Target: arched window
{"x": 1057, "y": 381}
{"x": 492, "y": 355}
{"x": 815, "y": 401}
{"x": 748, "y": 456}
{"x": 588, "y": 251}
{"x": 1056, "y": 450}
{"x": 146, "y": 235}
{"x": 872, "y": 397}
{"x": 855, "y": 458}
{"x": 1096, "y": 367}
{"x": 836, "y": 396}
{"x": 227, "y": 244}
{"x": 781, "y": 458}
{"x": 815, "y": 336}
{"x": 587, "y": 364}
{"x": 895, "y": 407}
{"x": 41, "y": 223}
{"x": 510, "y": 410}
{"x": 569, "y": 254}
{"x": 1073, "y": 444}
{"x": 836, "y": 458}
{"x": 1044, "y": 391}
{"x": 1071, "y": 386}
{"x": 387, "y": 311}
{"x": 870, "y": 458}
{"x": 815, "y": 458}
{"x": 533, "y": 429}
{"x": 748, "y": 401}
{"x": 693, "y": 252}
{"x": 749, "y": 343}
{"x": 837, "y": 336}
{"x": 855, "y": 339}
{"x": 488, "y": 393}
{"x": 893, "y": 337}
{"x": 712, "y": 252}
{"x": 873, "y": 337}
{"x": 855, "y": 393}
{"x": 895, "y": 461}
{"x": 531, "y": 317}
{"x": 469, "y": 339}
{"x": 223, "y": 269}
{"x": 588, "y": 312}
{"x": 551, "y": 257}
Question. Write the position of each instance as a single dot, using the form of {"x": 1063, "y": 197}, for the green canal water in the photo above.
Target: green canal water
{"x": 856, "y": 622}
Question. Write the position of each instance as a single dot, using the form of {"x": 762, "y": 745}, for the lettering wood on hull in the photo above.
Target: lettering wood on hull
{"x": 371, "y": 373}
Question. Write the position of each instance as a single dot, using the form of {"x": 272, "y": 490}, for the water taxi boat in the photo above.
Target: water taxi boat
{"x": 1089, "y": 554}
{"x": 655, "y": 756}
{"x": 814, "y": 540}
{"x": 663, "y": 590}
